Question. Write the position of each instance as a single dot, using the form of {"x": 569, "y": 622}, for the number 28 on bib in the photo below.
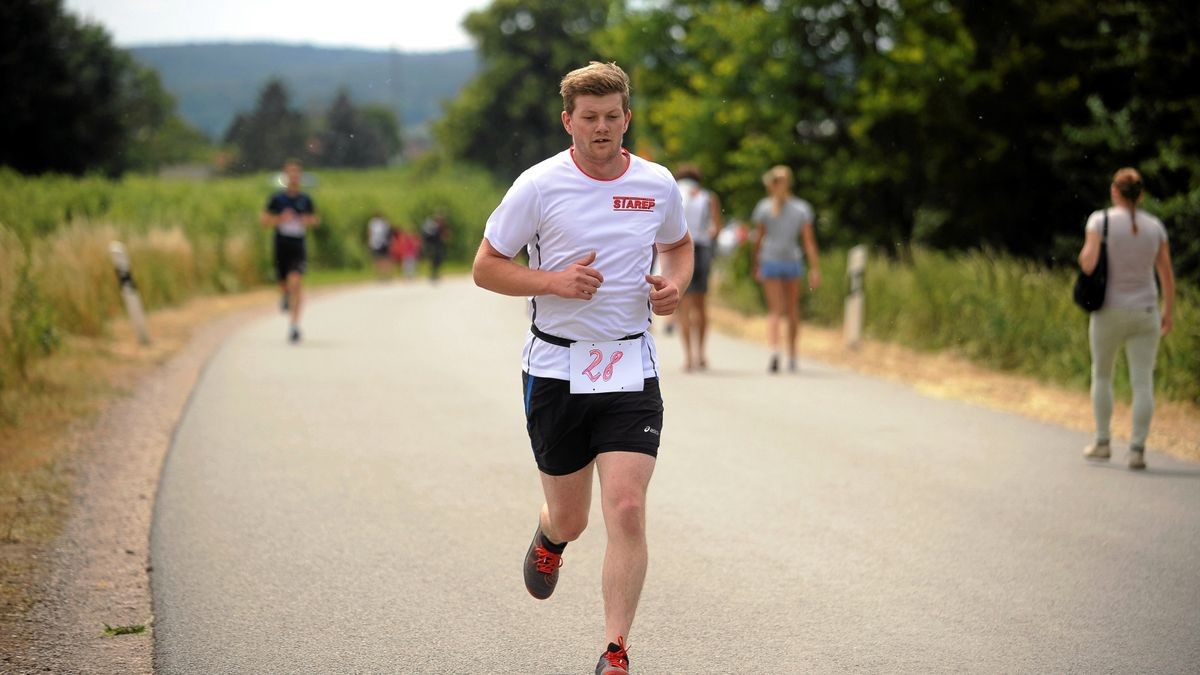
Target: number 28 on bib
{"x": 600, "y": 367}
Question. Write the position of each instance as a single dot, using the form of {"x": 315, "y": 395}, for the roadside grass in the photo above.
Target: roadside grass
{"x": 113, "y": 631}
{"x": 187, "y": 239}
{"x": 1007, "y": 314}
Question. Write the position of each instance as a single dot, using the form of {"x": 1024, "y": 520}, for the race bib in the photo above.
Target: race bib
{"x": 599, "y": 367}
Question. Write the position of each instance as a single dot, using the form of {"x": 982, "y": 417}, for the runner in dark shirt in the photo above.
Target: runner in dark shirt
{"x": 291, "y": 213}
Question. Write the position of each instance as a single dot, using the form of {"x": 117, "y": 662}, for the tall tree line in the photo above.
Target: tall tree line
{"x": 346, "y": 135}
{"x": 946, "y": 123}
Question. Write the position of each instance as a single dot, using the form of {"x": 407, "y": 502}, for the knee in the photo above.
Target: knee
{"x": 626, "y": 514}
{"x": 569, "y": 527}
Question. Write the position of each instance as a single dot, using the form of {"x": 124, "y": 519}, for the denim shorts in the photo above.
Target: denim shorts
{"x": 781, "y": 269}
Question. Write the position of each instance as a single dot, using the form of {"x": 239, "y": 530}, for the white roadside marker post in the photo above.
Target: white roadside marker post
{"x": 133, "y": 302}
{"x": 856, "y": 267}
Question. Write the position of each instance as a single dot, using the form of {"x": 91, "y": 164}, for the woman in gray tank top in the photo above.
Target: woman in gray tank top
{"x": 1130, "y": 318}
{"x": 783, "y": 222}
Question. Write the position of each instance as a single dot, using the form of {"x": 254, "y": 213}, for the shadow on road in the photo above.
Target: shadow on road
{"x": 1151, "y": 470}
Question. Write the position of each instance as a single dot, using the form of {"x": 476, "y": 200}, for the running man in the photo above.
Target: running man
{"x": 291, "y": 213}
{"x": 593, "y": 218}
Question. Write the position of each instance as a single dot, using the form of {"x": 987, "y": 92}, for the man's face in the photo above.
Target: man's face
{"x": 292, "y": 171}
{"x": 597, "y": 126}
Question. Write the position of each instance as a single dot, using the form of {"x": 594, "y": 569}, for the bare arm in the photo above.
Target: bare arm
{"x": 497, "y": 272}
{"x": 1089, "y": 255}
{"x": 1166, "y": 278}
{"x": 678, "y": 260}
{"x": 714, "y": 209}
{"x": 268, "y": 219}
{"x": 760, "y": 232}
{"x": 810, "y": 253}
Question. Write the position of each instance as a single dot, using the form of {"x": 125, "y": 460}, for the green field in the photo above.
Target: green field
{"x": 195, "y": 237}
{"x": 187, "y": 238}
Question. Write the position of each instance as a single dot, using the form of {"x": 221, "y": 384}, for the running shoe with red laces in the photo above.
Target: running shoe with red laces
{"x": 614, "y": 661}
{"x": 541, "y": 568}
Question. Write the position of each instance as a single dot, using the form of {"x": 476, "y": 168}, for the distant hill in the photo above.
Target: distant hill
{"x": 215, "y": 81}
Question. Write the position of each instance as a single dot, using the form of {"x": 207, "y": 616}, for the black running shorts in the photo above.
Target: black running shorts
{"x": 290, "y": 256}
{"x": 701, "y": 269}
{"x": 568, "y": 430}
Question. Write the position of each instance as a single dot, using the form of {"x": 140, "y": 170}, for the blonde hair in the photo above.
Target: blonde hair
{"x": 594, "y": 79}
{"x": 1128, "y": 183}
{"x": 777, "y": 173}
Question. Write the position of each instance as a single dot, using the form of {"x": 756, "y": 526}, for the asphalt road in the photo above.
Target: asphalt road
{"x": 361, "y": 503}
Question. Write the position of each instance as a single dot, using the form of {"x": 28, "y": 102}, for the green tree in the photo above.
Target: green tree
{"x": 355, "y": 138}
{"x": 271, "y": 133}
{"x": 73, "y": 102}
{"x": 508, "y": 117}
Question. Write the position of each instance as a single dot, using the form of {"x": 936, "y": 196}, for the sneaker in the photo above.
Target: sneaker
{"x": 614, "y": 661}
{"x": 541, "y": 568}
{"x": 773, "y": 367}
{"x": 1137, "y": 458}
{"x": 294, "y": 335}
{"x": 1099, "y": 452}
{"x": 793, "y": 366}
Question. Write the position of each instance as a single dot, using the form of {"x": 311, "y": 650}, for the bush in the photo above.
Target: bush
{"x": 998, "y": 311}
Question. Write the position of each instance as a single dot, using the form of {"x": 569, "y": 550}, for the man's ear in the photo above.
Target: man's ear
{"x": 566, "y": 120}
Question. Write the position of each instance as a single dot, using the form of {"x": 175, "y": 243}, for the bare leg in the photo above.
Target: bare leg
{"x": 564, "y": 514}
{"x": 791, "y": 299}
{"x": 294, "y": 294}
{"x": 773, "y": 289}
{"x": 684, "y": 319}
{"x": 700, "y": 310}
{"x": 624, "y": 478}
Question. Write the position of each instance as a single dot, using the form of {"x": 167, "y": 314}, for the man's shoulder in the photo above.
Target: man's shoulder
{"x": 553, "y": 166}
{"x": 638, "y": 163}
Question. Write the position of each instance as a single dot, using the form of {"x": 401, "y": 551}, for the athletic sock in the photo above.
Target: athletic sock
{"x": 554, "y": 548}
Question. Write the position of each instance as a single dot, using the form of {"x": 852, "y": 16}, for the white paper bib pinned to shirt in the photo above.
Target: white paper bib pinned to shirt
{"x": 600, "y": 367}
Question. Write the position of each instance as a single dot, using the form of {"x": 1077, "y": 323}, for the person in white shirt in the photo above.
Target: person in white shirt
{"x": 702, "y": 210}
{"x": 1136, "y": 248}
{"x": 593, "y": 218}
{"x": 379, "y": 239}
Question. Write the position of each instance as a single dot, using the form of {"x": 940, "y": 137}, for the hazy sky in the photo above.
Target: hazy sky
{"x": 405, "y": 25}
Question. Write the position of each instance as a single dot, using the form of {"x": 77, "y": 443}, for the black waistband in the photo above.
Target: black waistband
{"x": 564, "y": 342}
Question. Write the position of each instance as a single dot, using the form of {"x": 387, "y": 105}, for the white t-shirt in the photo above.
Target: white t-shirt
{"x": 697, "y": 210}
{"x": 377, "y": 233}
{"x": 1130, "y": 257}
{"x": 560, "y": 214}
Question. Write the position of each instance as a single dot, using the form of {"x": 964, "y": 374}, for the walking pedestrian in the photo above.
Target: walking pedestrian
{"x": 591, "y": 218}
{"x": 702, "y": 210}
{"x": 379, "y": 239}
{"x": 291, "y": 213}
{"x": 1130, "y": 318}
{"x": 435, "y": 232}
{"x": 784, "y": 222}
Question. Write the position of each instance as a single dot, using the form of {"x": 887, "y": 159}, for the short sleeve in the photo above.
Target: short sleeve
{"x": 514, "y": 222}
{"x": 674, "y": 225}
{"x": 1095, "y": 222}
{"x": 309, "y": 205}
{"x": 274, "y": 204}
{"x": 806, "y": 213}
{"x": 759, "y": 216}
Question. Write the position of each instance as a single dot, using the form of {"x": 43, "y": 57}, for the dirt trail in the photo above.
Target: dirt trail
{"x": 1175, "y": 429}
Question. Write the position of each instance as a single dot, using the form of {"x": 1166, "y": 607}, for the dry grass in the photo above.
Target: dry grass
{"x": 1176, "y": 427}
